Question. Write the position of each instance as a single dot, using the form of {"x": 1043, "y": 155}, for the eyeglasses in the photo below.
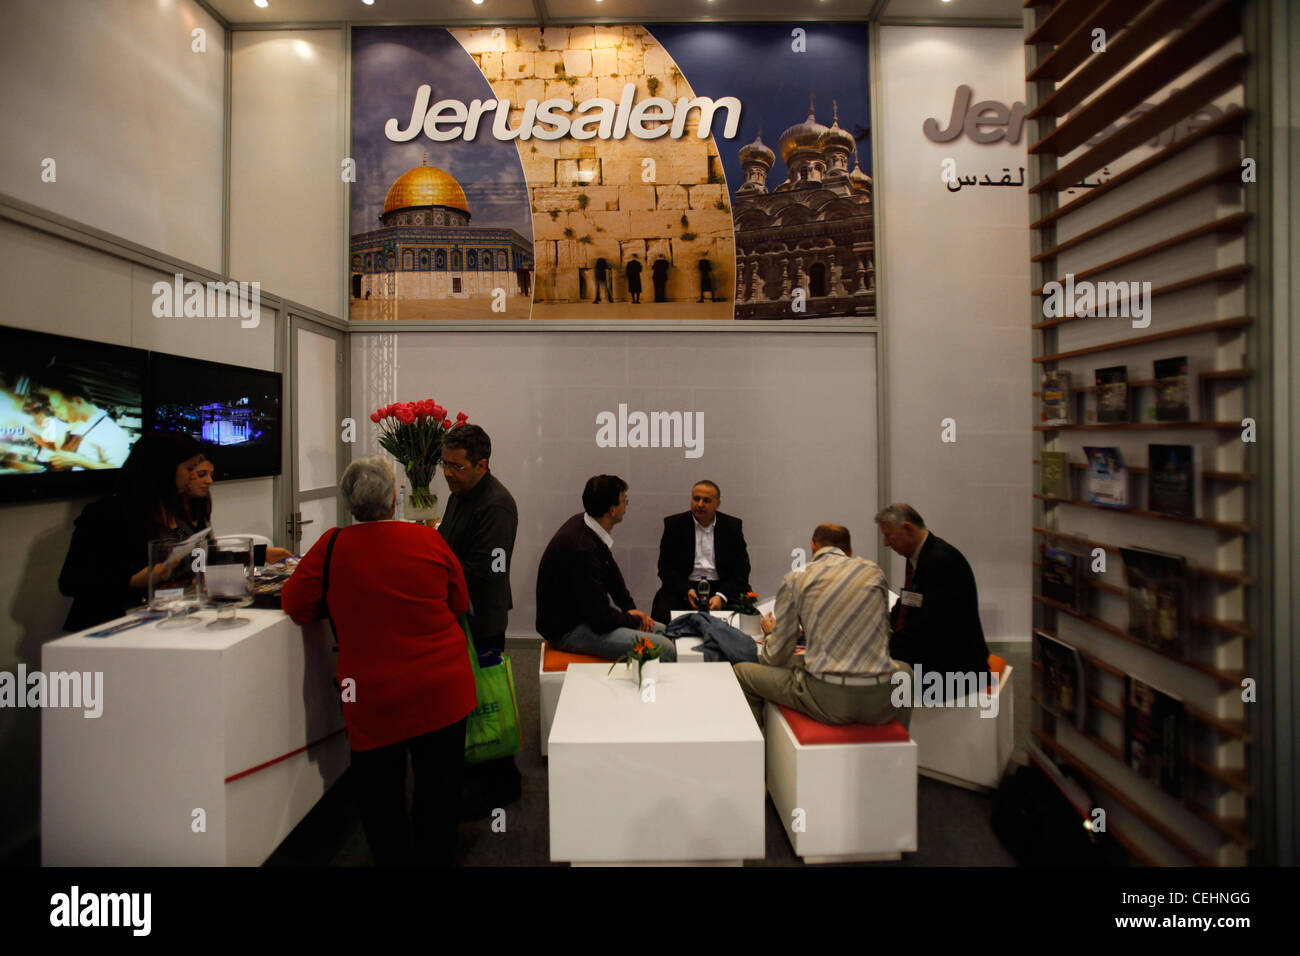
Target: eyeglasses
{"x": 453, "y": 466}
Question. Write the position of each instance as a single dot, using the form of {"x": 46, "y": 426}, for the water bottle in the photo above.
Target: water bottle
{"x": 703, "y": 590}
{"x": 401, "y": 504}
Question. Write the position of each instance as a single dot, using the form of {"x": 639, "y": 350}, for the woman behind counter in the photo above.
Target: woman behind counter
{"x": 106, "y": 570}
{"x": 198, "y": 505}
{"x": 395, "y": 593}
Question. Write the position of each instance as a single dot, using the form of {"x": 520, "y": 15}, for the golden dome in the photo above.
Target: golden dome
{"x": 859, "y": 179}
{"x": 835, "y": 136}
{"x": 805, "y": 135}
{"x": 756, "y": 152}
{"x": 425, "y": 186}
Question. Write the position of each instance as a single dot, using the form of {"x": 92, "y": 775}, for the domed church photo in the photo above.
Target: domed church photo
{"x": 813, "y": 231}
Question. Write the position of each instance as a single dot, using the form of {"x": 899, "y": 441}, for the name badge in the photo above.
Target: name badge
{"x": 911, "y": 598}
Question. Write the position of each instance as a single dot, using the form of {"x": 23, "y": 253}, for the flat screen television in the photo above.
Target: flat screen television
{"x": 234, "y": 412}
{"x": 70, "y": 410}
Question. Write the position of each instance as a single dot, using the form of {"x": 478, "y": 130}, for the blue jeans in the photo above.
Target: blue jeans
{"x": 615, "y": 643}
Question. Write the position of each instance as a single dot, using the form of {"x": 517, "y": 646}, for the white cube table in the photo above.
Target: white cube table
{"x": 674, "y": 780}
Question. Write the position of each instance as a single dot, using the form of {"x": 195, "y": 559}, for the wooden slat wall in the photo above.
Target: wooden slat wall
{"x": 1174, "y": 218}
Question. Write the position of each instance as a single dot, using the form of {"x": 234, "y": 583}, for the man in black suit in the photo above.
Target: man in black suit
{"x": 583, "y": 606}
{"x": 936, "y": 622}
{"x": 700, "y": 543}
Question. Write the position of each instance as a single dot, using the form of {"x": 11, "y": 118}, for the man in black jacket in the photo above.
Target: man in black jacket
{"x": 936, "y": 622}
{"x": 583, "y": 606}
{"x": 479, "y": 526}
{"x": 701, "y": 543}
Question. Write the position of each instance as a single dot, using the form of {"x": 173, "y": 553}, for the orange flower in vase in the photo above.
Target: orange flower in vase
{"x": 642, "y": 652}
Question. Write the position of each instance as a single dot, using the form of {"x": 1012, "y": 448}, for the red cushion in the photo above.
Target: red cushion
{"x": 810, "y": 732}
{"x": 558, "y": 660}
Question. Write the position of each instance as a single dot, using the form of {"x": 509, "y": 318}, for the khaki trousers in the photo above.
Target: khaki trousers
{"x": 821, "y": 700}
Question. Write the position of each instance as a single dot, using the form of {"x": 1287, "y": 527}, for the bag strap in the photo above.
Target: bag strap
{"x": 325, "y": 589}
{"x": 473, "y": 651}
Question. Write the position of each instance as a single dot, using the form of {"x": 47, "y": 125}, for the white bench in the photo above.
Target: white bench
{"x": 551, "y": 682}
{"x": 959, "y": 746}
{"x": 848, "y": 793}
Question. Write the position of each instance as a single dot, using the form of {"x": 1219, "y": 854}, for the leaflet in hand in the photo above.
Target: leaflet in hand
{"x": 186, "y": 547}
{"x": 767, "y": 607}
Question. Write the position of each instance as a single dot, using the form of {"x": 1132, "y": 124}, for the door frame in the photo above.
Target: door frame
{"x": 292, "y": 498}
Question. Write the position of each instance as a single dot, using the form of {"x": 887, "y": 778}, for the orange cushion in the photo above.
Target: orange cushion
{"x": 810, "y": 732}
{"x": 557, "y": 660}
{"x": 996, "y": 664}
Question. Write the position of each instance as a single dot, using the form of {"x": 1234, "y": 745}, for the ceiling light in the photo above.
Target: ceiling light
{"x": 477, "y": 3}
{"x": 369, "y": 3}
{"x": 261, "y": 3}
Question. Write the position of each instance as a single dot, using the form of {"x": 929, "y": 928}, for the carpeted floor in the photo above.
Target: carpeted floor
{"x": 953, "y": 824}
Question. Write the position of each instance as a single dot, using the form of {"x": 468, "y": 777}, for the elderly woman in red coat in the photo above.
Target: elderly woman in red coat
{"x": 395, "y": 594}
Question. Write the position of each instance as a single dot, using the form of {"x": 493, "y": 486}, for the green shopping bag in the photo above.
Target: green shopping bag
{"x": 492, "y": 729}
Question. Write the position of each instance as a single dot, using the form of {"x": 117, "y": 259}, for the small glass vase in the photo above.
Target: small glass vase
{"x": 173, "y": 585}
{"x": 422, "y": 506}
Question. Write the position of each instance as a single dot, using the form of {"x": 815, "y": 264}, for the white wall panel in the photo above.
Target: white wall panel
{"x": 115, "y": 94}
{"x": 789, "y": 431}
{"x": 52, "y": 285}
{"x": 314, "y": 397}
{"x": 956, "y": 311}
{"x": 287, "y": 225}
{"x": 222, "y": 339}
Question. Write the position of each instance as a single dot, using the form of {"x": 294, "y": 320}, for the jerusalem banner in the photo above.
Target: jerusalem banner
{"x": 612, "y": 172}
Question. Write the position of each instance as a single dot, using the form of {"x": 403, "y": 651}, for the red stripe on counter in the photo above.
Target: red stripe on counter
{"x": 291, "y": 753}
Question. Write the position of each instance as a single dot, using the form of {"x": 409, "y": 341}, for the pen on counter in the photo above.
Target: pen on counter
{"x": 139, "y": 621}
{"x": 119, "y": 628}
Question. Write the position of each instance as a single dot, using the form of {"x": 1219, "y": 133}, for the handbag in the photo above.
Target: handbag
{"x": 492, "y": 728}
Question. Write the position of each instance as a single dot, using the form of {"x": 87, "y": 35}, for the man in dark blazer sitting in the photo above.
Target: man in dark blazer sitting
{"x": 701, "y": 542}
{"x": 583, "y": 605}
{"x": 936, "y": 622}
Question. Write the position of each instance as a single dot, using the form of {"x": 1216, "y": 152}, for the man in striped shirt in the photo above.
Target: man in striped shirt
{"x": 840, "y": 605}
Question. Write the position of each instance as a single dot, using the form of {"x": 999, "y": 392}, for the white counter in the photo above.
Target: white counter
{"x": 243, "y": 724}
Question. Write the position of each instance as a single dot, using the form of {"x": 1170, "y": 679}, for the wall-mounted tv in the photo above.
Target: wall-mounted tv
{"x": 234, "y": 412}
{"x": 70, "y": 410}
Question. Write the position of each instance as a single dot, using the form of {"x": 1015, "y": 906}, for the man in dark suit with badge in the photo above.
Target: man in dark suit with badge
{"x": 936, "y": 622}
{"x": 701, "y": 543}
